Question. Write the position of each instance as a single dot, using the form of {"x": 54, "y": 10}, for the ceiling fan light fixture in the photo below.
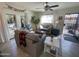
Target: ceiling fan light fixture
{"x": 47, "y": 7}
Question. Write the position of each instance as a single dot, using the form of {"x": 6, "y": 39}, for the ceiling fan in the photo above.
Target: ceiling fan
{"x": 48, "y": 7}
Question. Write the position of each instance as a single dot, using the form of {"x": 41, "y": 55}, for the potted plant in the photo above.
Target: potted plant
{"x": 35, "y": 21}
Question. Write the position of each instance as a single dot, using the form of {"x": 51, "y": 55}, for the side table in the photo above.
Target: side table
{"x": 51, "y": 44}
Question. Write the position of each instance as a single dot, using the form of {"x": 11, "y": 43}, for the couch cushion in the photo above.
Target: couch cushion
{"x": 33, "y": 36}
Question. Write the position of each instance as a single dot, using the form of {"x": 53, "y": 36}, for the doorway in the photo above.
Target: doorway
{"x": 70, "y": 44}
{"x": 70, "y": 26}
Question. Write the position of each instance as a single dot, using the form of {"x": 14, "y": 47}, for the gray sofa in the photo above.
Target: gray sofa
{"x": 34, "y": 43}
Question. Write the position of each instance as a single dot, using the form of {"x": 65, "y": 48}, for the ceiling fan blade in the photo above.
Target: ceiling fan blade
{"x": 54, "y": 6}
{"x": 51, "y": 9}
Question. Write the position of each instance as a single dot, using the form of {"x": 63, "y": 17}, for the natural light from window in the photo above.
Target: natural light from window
{"x": 46, "y": 19}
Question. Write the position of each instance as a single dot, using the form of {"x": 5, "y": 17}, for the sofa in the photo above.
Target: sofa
{"x": 33, "y": 43}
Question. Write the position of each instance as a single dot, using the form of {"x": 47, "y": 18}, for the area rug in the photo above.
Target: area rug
{"x": 71, "y": 38}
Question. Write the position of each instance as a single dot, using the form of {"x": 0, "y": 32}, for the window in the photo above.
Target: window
{"x": 71, "y": 18}
{"x": 47, "y": 19}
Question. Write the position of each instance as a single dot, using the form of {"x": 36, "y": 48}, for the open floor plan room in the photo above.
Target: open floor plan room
{"x": 39, "y": 29}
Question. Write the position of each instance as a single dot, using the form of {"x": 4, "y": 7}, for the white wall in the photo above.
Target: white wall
{"x": 1, "y": 32}
{"x": 29, "y": 14}
{"x": 2, "y": 35}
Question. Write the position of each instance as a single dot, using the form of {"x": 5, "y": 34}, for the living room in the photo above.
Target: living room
{"x": 23, "y": 24}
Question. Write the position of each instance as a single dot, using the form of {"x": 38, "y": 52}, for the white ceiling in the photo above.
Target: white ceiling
{"x": 34, "y": 6}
